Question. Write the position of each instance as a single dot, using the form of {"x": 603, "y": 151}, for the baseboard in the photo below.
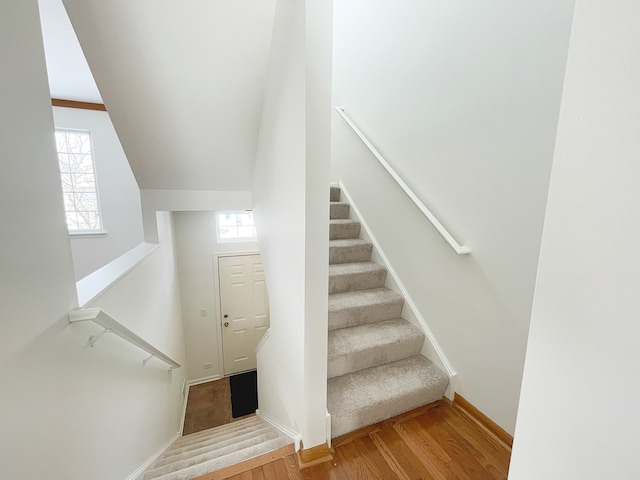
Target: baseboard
{"x": 198, "y": 381}
{"x": 496, "y": 434}
{"x": 433, "y": 350}
{"x": 295, "y": 437}
{"x": 137, "y": 474}
{"x": 313, "y": 456}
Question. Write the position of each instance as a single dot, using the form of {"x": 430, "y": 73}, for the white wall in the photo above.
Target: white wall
{"x": 68, "y": 411}
{"x": 196, "y": 244}
{"x": 117, "y": 189}
{"x": 290, "y": 201}
{"x": 578, "y": 414}
{"x": 462, "y": 99}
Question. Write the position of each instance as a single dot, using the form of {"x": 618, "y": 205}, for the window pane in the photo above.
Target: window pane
{"x": 245, "y": 219}
{"x": 72, "y": 221}
{"x": 78, "y": 180}
{"x": 227, "y": 219}
{"x": 228, "y": 232}
{"x": 245, "y": 232}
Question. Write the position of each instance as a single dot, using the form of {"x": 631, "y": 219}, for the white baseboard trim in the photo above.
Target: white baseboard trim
{"x": 198, "y": 381}
{"x": 436, "y": 354}
{"x": 328, "y": 420}
{"x": 292, "y": 434}
{"x": 137, "y": 475}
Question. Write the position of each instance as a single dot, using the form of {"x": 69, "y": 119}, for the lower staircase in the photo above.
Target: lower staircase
{"x": 375, "y": 369}
{"x": 210, "y": 450}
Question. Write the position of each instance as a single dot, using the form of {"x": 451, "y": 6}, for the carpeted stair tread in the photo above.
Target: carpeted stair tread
{"x": 334, "y": 193}
{"x": 348, "y": 277}
{"x": 206, "y": 445}
{"x": 365, "y": 346}
{"x": 368, "y": 396}
{"x": 364, "y": 306}
{"x": 338, "y": 210}
{"x": 204, "y": 463}
{"x": 349, "y": 250}
{"x": 233, "y": 427}
{"x": 343, "y": 228}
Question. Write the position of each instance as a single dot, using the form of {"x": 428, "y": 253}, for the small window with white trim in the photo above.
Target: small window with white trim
{"x": 79, "y": 186}
{"x": 236, "y": 226}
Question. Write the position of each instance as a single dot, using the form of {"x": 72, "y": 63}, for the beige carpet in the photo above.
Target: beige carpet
{"x": 375, "y": 368}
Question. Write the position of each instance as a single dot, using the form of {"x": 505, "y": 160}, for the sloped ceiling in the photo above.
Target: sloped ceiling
{"x": 183, "y": 82}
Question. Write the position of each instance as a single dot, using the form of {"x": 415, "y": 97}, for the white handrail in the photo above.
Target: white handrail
{"x": 111, "y": 325}
{"x": 459, "y": 249}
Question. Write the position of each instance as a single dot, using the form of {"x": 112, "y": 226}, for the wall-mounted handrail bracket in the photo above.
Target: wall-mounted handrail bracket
{"x": 93, "y": 339}
{"x": 111, "y": 325}
{"x": 459, "y": 249}
{"x": 144, "y": 362}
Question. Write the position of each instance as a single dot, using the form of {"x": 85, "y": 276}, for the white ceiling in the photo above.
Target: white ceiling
{"x": 183, "y": 82}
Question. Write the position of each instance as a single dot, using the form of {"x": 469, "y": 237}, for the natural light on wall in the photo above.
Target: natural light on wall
{"x": 78, "y": 181}
{"x": 235, "y": 226}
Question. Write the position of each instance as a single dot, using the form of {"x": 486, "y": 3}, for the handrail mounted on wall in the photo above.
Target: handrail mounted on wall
{"x": 459, "y": 249}
{"x": 111, "y": 325}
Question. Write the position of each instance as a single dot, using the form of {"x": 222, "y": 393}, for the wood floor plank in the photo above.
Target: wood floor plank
{"x": 354, "y": 466}
{"x": 435, "y": 443}
{"x": 257, "y": 474}
{"x": 494, "y": 459}
{"x": 426, "y": 449}
{"x": 291, "y": 465}
{"x": 463, "y": 463}
{"x": 399, "y": 457}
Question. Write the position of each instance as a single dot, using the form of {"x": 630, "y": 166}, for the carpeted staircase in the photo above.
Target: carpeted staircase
{"x": 375, "y": 368}
{"x": 210, "y": 450}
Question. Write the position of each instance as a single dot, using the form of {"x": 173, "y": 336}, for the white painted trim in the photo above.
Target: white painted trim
{"x": 99, "y": 282}
{"x": 201, "y": 380}
{"x": 216, "y": 298}
{"x": 296, "y": 437}
{"x": 459, "y": 249}
{"x": 139, "y": 472}
{"x": 328, "y": 427}
{"x": 263, "y": 340}
{"x": 185, "y": 399}
{"x": 437, "y": 354}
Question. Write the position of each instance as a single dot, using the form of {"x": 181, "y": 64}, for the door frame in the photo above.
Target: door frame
{"x": 217, "y": 300}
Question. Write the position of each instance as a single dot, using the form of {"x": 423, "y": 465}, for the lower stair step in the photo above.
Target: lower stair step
{"x": 369, "y": 396}
{"x": 348, "y": 277}
{"x": 349, "y": 250}
{"x": 364, "y": 306}
{"x": 339, "y": 229}
{"x": 365, "y": 346}
{"x": 216, "y": 448}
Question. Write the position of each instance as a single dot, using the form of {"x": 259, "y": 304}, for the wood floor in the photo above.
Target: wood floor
{"x": 431, "y": 443}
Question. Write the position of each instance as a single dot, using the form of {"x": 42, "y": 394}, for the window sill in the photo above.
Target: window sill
{"x": 101, "y": 233}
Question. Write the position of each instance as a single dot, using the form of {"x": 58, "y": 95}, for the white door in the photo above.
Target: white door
{"x": 245, "y": 310}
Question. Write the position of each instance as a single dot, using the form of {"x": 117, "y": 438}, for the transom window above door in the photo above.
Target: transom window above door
{"x": 235, "y": 226}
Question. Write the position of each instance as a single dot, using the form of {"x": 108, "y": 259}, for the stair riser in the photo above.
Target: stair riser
{"x": 208, "y": 446}
{"x": 195, "y": 460}
{"x": 233, "y": 428}
{"x": 339, "y": 211}
{"x": 375, "y": 394}
{"x": 361, "y": 314}
{"x": 352, "y": 282}
{"x": 334, "y": 194}
{"x": 340, "y": 231}
{"x": 352, "y": 362}
{"x": 348, "y": 254}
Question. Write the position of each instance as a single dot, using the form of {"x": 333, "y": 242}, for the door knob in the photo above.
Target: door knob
{"x": 226, "y": 324}
{"x": 226, "y": 316}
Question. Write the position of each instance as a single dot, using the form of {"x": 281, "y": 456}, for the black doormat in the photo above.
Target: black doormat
{"x": 244, "y": 393}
